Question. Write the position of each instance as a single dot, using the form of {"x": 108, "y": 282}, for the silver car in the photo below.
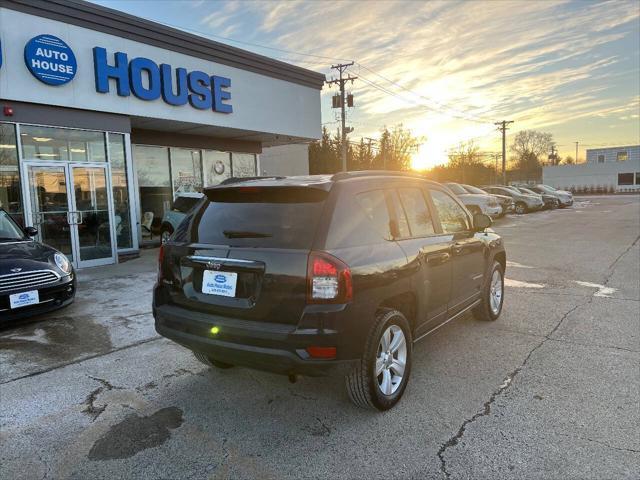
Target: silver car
{"x": 522, "y": 203}
{"x": 565, "y": 198}
{"x": 476, "y": 202}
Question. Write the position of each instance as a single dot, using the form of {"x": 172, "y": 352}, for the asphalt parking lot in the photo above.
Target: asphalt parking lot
{"x": 550, "y": 390}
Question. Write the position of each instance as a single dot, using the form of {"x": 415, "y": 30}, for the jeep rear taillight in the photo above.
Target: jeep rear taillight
{"x": 328, "y": 279}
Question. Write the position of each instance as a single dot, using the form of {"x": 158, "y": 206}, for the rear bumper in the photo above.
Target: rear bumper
{"x": 492, "y": 211}
{"x": 51, "y": 298}
{"x": 273, "y": 347}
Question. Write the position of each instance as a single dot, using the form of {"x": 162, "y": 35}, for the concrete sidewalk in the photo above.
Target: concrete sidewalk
{"x": 112, "y": 310}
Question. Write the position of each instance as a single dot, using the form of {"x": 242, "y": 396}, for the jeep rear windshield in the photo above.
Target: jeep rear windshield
{"x": 277, "y": 217}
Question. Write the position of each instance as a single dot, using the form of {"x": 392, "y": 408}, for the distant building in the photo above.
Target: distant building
{"x": 285, "y": 160}
{"x": 610, "y": 169}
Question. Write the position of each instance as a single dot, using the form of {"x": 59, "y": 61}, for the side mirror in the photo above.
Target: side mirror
{"x": 481, "y": 222}
{"x": 31, "y": 231}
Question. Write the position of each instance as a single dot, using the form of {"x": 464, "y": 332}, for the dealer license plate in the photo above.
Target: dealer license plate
{"x": 219, "y": 283}
{"x": 23, "y": 299}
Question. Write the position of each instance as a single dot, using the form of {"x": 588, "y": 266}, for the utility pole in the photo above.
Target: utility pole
{"x": 576, "y": 151}
{"x": 496, "y": 157}
{"x": 502, "y": 126}
{"x": 340, "y": 81}
{"x": 554, "y": 156}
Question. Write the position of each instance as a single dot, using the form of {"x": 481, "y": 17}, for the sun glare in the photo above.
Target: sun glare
{"x": 429, "y": 155}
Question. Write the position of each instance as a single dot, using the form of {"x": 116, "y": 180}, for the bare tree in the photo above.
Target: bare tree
{"x": 396, "y": 147}
{"x": 528, "y": 146}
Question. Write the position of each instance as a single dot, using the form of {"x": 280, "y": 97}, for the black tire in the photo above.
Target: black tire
{"x": 165, "y": 233}
{"x": 520, "y": 208}
{"x": 210, "y": 362}
{"x": 484, "y": 311}
{"x": 362, "y": 383}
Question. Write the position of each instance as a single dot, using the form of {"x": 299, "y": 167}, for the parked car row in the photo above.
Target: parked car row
{"x": 498, "y": 200}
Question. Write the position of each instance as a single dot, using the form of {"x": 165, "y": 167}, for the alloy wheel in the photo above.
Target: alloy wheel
{"x": 391, "y": 360}
{"x": 495, "y": 292}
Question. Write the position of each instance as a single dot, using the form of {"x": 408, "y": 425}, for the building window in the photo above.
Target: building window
{"x": 622, "y": 156}
{"x": 243, "y": 164}
{"x": 10, "y": 198}
{"x": 625, "y": 179}
{"x": 637, "y": 178}
{"x": 49, "y": 143}
{"x": 600, "y": 158}
{"x": 120, "y": 188}
{"x": 216, "y": 167}
{"x": 186, "y": 171}
{"x": 154, "y": 183}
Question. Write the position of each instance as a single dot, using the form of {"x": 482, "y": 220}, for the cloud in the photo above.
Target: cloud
{"x": 541, "y": 63}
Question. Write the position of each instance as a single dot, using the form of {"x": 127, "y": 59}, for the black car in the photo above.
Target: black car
{"x": 34, "y": 278}
{"x": 326, "y": 274}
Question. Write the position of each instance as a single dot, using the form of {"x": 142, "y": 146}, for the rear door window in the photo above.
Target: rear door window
{"x": 277, "y": 217}
{"x": 374, "y": 204}
{"x": 453, "y": 218}
{"x": 417, "y": 213}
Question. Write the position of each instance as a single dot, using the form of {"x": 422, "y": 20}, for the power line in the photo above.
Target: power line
{"x": 459, "y": 113}
{"x": 464, "y": 115}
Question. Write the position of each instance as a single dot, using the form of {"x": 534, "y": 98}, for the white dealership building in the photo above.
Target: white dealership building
{"x": 105, "y": 118}
{"x": 611, "y": 169}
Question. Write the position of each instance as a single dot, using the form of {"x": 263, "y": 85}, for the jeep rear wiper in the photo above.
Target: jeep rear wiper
{"x": 244, "y": 234}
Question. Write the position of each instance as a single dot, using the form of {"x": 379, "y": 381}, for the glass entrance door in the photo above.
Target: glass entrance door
{"x": 70, "y": 207}
{"x": 50, "y": 206}
{"x": 91, "y": 215}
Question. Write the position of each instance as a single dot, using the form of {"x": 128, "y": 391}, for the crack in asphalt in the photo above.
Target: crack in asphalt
{"x": 91, "y": 409}
{"x": 508, "y": 381}
{"x": 454, "y": 440}
{"x": 613, "y": 264}
{"x": 83, "y": 359}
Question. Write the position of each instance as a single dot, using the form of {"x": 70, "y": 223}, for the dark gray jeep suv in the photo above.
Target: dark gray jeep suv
{"x": 328, "y": 273}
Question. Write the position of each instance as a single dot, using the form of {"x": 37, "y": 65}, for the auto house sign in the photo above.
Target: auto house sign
{"x": 50, "y": 60}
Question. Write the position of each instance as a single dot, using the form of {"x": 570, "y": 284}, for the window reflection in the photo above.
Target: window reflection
{"x": 10, "y": 199}
{"x": 452, "y": 217}
{"x": 121, "y": 205}
{"x": 154, "y": 182}
{"x": 49, "y": 143}
{"x": 243, "y": 164}
{"x": 186, "y": 171}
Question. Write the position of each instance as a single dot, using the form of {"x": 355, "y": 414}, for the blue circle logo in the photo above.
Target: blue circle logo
{"x": 50, "y": 60}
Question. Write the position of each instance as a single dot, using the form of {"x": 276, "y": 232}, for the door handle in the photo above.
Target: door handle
{"x": 457, "y": 248}
{"x": 438, "y": 258}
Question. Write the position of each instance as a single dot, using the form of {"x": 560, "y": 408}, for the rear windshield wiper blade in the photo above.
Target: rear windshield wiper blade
{"x": 244, "y": 234}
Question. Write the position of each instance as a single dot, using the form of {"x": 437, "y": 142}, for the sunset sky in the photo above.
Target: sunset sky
{"x": 448, "y": 70}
